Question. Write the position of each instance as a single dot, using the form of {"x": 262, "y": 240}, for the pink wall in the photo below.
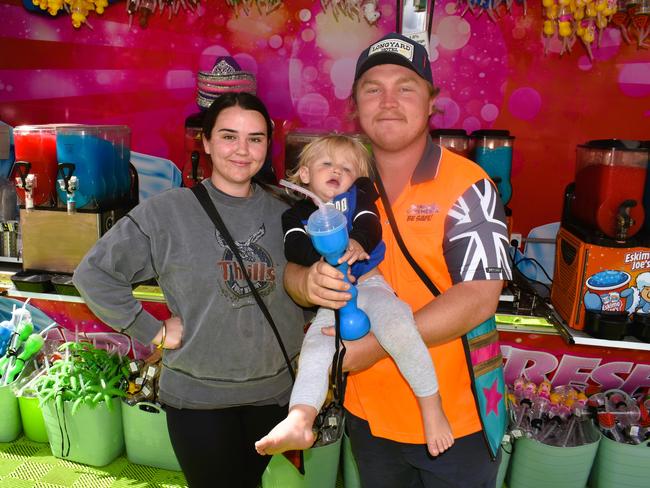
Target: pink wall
{"x": 492, "y": 75}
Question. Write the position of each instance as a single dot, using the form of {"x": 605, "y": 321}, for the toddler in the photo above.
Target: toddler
{"x": 336, "y": 168}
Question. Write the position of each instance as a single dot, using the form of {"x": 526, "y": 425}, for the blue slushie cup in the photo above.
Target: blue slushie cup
{"x": 328, "y": 230}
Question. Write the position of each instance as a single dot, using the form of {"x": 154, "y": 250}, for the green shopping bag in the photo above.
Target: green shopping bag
{"x": 91, "y": 436}
{"x": 146, "y": 436}
{"x": 321, "y": 469}
{"x": 10, "y": 425}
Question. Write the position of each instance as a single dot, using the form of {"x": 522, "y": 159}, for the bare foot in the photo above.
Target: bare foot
{"x": 437, "y": 430}
{"x": 294, "y": 432}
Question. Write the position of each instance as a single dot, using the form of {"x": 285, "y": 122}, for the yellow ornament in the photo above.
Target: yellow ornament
{"x": 100, "y": 5}
{"x": 53, "y": 6}
{"x": 549, "y": 28}
{"x": 564, "y": 29}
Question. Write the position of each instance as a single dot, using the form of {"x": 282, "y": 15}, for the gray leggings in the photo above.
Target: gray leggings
{"x": 392, "y": 322}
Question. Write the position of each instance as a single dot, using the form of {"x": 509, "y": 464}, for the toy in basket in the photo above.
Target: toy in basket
{"x": 18, "y": 345}
{"x": 79, "y": 394}
{"x": 555, "y": 439}
{"x": 623, "y": 458}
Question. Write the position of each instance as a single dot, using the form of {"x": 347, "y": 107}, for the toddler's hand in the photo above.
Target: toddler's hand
{"x": 354, "y": 253}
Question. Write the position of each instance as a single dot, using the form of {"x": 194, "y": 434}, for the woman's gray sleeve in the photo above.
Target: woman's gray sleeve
{"x": 104, "y": 277}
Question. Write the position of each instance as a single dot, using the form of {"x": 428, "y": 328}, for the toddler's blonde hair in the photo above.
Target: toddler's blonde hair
{"x": 330, "y": 145}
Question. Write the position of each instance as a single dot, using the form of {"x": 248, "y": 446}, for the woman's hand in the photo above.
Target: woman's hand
{"x": 359, "y": 354}
{"x": 173, "y": 334}
{"x": 355, "y": 252}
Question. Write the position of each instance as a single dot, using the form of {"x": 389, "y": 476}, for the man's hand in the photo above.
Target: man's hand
{"x": 173, "y": 334}
{"x": 359, "y": 354}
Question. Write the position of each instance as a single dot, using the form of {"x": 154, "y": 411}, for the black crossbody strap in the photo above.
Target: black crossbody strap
{"x": 400, "y": 242}
{"x": 201, "y": 194}
{"x": 338, "y": 379}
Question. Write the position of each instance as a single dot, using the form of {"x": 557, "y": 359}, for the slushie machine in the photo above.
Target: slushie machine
{"x": 601, "y": 282}
{"x": 73, "y": 182}
{"x": 455, "y": 140}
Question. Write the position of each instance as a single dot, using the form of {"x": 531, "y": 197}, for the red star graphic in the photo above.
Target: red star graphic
{"x": 493, "y": 398}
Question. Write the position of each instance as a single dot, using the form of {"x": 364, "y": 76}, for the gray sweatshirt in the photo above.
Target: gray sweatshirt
{"x": 229, "y": 354}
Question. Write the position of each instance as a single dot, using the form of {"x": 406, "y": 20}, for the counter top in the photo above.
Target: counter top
{"x": 574, "y": 336}
{"x": 552, "y": 324}
{"x": 142, "y": 292}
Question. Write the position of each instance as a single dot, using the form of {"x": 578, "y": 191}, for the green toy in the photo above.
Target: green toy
{"x": 31, "y": 347}
{"x": 85, "y": 375}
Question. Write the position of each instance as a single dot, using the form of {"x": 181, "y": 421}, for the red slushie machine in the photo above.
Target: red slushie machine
{"x": 602, "y": 266}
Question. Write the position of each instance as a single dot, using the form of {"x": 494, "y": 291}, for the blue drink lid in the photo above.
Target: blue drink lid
{"x": 325, "y": 220}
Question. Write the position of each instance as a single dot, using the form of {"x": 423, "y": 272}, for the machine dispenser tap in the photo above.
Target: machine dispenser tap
{"x": 624, "y": 220}
{"x": 26, "y": 181}
{"x": 194, "y": 158}
{"x": 68, "y": 183}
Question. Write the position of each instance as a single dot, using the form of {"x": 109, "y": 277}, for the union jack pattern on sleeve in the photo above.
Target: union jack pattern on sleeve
{"x": 476, "y": 237}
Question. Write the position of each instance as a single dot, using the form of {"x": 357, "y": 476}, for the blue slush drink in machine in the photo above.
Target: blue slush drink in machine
{"x": 492, "y": 150}
{"x": 493, "y": 153}
{"x": 328, "y": 230}
{"x": 98, "y": 158}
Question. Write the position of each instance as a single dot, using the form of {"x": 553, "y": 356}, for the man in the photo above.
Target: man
{"x": 452, "y": 222}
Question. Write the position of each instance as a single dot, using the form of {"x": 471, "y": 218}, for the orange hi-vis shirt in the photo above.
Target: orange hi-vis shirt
{"x": 380, "y": 394}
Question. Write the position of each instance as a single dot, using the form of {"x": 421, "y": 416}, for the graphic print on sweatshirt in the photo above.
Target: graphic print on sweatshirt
{"x": 258, "y": 263}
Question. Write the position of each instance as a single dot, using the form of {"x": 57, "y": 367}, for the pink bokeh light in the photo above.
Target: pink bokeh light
{"x": 634, "y": 79}
{"x": 470, "y": 68}
{"x": 525, "y": 103}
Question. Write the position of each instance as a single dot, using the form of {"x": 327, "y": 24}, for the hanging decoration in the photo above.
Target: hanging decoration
{"x": 585, "y": 20}
{"x": 144, "y": 9}
{"x": 77, "y": 9}
{"x": 494, "y": 9}
{"x": 353, "y": 9}
{"x": 263, "y": 7}
{"x": 633, "y": 20}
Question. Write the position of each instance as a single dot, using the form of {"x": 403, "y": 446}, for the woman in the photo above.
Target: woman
{"x": 224, "y": 381}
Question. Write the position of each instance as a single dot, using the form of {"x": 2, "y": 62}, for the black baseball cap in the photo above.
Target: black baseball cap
{"x": 395, "y": 48}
